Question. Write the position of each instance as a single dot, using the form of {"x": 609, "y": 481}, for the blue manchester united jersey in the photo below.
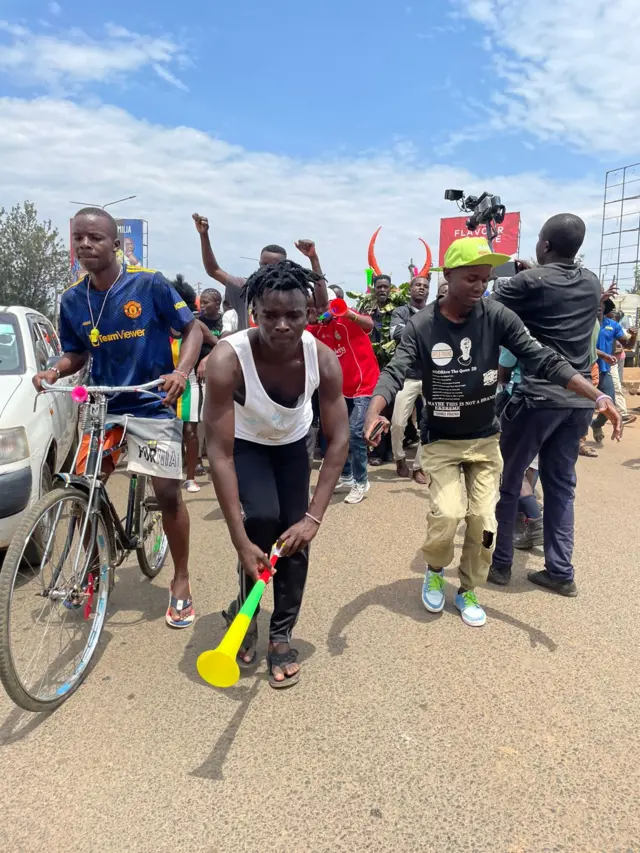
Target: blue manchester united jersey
{"x": 133, "y": 320}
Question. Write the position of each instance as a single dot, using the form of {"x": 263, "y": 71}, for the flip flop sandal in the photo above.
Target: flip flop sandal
{"x": 250, "y": 639}
{"x": 587, "y": 451}
{"x": 281, "y": 659}
{"x": 180, "y": 605}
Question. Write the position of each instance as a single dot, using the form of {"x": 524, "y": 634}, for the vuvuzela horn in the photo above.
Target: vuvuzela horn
{"x": 219, "y": 666}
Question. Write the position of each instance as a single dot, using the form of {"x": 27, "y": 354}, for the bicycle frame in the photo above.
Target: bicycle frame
{"x": 125, "y": 538}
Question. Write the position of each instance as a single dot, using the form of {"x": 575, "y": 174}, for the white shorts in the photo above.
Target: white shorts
{"x": 154, "y": 446}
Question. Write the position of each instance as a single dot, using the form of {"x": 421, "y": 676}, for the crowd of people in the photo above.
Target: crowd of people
{"x": 503, "y": 389}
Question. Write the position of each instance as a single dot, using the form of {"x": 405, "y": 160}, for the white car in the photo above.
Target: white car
{"x": 38, "y": 434}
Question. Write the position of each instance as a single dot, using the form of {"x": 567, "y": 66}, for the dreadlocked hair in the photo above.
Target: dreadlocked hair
{"x": 286, "y": 275}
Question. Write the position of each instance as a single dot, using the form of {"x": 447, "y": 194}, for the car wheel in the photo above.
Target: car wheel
{"x": 46, "y": 480}
{"x": 71, "y": 455}
{"x": 33, "y": 552}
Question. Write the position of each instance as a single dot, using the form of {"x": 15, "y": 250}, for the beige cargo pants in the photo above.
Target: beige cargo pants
{"x": 446, "y": 462}
{"x": 402, "y": 410}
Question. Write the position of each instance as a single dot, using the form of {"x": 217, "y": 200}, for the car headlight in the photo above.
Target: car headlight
{"x": 14, "y": 446}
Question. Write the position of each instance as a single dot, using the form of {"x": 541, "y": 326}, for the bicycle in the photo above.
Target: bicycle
{"x": 73, "y": 582}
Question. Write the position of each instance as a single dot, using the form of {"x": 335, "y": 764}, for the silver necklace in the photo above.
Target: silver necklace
{"x": 94, "y": 334}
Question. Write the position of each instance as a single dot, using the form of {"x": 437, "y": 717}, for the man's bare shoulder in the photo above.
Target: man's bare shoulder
{"x": 223, "y": 361}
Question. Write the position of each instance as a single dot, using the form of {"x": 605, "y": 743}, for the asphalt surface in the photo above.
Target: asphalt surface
{"x": 407, "y": 732}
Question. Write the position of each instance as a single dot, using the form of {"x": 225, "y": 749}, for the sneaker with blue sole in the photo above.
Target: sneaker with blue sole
{"x": 433, "y": 591}
{"x": 470, "y": 610}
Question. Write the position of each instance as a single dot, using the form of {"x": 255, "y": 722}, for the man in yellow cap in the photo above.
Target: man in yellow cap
{"x": 456, "y": 342}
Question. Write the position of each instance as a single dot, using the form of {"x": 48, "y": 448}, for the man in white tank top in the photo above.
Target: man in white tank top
{"x": 257, "y": 414}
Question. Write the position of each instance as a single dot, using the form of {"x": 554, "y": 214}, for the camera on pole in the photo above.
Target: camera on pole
{"x": 485, "y": 209}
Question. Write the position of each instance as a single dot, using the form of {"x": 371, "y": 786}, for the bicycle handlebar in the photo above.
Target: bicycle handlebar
{"x": 102, "y": 389}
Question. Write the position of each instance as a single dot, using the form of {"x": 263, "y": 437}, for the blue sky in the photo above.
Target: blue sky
{"x": 361, "y": 111}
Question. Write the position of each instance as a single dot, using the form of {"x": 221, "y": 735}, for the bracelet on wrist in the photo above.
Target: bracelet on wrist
{"x": 603, "y": 397}
{"x": 318, "y": 521}
{"x": 184, "y": 375}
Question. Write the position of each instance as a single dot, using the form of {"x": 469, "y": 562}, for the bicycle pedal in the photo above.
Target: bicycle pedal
{"x": 152, "y": 505}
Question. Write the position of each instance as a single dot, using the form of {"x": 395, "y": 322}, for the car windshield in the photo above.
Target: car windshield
{"x": 11, "y": 353}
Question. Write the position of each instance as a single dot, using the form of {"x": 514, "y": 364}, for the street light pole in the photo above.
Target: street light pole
{"x": 103, "y": 206}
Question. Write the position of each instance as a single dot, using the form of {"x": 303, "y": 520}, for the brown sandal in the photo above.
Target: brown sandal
{"x": 587, "y": 451}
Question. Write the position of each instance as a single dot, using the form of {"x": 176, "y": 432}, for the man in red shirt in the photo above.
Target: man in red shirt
{"x": 348, "y": 337}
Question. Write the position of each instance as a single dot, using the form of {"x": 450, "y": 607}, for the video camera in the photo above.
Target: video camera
{"x": 485, "y": 209}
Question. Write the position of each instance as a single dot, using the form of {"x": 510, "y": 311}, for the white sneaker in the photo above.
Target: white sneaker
{"x": 344, "y": 483}
{"x": 357, "y": 493}
{"x": 191, "y": 486}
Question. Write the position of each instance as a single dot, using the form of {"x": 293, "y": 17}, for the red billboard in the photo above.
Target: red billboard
{"x": 507, "y": 242}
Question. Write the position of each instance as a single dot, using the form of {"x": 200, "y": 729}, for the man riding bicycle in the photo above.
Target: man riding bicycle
{"x": 123, "y": 317}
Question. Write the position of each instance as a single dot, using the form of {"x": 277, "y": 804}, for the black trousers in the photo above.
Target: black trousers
{"x": 274, "y": 494}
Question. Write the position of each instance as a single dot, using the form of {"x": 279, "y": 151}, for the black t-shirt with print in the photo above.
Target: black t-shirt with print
{"x": 215, "y": 327}
{"x": 458, "y": 365}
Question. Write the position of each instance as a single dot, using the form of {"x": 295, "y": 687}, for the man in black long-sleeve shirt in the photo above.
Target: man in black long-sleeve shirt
{"x": 456, "y": 341}
{"x": 558, "y": 301}
{"x": 407, "y": 397}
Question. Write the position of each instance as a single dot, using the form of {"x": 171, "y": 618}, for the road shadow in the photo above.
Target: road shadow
{"x": 19, "y": 724}
{"x": 634, "y": 464}
{"x": 131, "y": 594}
{"x": 383, "y": 475}
{"x": 211, "y": 767}
{"x": 216, "y": 514}
{"x": 417, "y": 489}
{"x": 207, "y": 633}
{"x": 404, "y": 598}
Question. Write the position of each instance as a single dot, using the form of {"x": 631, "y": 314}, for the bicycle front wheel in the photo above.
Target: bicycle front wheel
{"x": 152, "y": 540}
{"x": 53, "y": 607}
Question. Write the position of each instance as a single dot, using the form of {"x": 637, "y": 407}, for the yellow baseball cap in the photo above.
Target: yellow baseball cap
{"x": 471, "y": 252}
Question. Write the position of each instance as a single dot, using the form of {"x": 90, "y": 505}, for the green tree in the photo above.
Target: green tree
{"x": 34, "y": 261}
{"x": 636, "y": 279}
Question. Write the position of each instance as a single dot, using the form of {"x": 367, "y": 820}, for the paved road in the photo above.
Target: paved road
{"x": 408, "y": 732}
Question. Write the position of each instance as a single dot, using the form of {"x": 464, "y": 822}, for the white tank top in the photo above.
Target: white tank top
{"x": 262, "y": 420}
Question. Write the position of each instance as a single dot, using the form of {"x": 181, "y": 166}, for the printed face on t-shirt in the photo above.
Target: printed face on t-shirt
{"x": 465, "y": 351}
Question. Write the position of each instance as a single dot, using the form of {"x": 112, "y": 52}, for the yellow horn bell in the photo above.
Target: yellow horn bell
{"x": 219, "y": 666}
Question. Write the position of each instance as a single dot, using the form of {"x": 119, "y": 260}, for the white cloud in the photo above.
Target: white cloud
{"x": 571, "y": 69}
{"x": 67, "y": 61}
{"x": 52, "y": 151}
{"x": 163, "y": 72}
{"x": 54, "y": 8}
